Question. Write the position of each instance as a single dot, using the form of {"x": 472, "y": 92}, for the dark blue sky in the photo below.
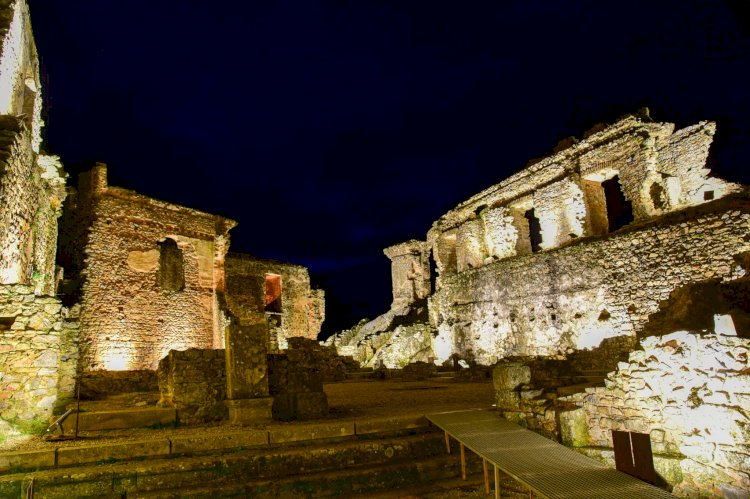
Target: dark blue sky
{"x": 331, "y": 129}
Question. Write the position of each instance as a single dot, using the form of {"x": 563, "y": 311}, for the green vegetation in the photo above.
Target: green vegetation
{"x": 36, "y": 426}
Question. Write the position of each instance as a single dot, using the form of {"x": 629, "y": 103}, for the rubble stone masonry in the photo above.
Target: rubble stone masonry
{"x": 39, "y": 351}
{"x": 571, "y": 298}
{"x": 691, "y": 393}
{"x": 150, "y": 274}
{"x": 301, "y": 310}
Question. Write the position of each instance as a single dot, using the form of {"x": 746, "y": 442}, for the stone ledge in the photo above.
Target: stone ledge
{"x": 116, "y": 420}
{"x": 390, "y": 424}
{"x": 145, "y": 448}
{"x": 311, "y": 432}
{"x": 27, "y": 460}
{"x": 195, "y": 444}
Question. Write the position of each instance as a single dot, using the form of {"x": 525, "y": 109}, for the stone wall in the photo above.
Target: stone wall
{"x": 20, "y": 86}
{"x": 410, "y": 272}
{"x": 554, "y": 302}
{"x": 100, "y": 384}
{"x": 577, "y": 247}
{"x": 295, "y": 380}
{"x": 659, "y": 171}
{"x": 301, "y": 311}
{"x": 691, "y": 393}
{"x": 38, "y": 346}
{"x": 32, "y": 189}
{"x": 194, "y": 382}
{"x": 149, "y": 273}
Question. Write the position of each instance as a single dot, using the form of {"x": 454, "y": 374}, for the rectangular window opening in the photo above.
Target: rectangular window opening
{"x": 273, "y": 293}
{"x": 535, "y": 230}
{"x": 619, "y": 209}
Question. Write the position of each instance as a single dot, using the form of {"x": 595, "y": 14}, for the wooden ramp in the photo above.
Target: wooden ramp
{"x": 546, "y": 467}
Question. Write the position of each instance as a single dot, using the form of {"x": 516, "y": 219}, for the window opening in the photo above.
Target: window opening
{"x": 171, "y": 274}
{"x": 619, "y": 209}
{"x": 273, "y": 293}
{"x": 535, "y": 230}
{"x": 433, "y": 273}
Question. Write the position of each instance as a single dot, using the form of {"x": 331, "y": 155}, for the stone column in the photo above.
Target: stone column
{"x": 247, "y": 381}
{"x": 410, "y": 272}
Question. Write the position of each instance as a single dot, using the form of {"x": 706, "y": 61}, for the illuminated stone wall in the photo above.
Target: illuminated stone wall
{"x": 38, "y": 354}
{"x": 20, "y": 86}
{"x": 659, "y": 171}
{"x": 691, "y": 393}
{"x": 554, "y": 302}
{"x": 302, "y": 308}
{"x": 577, "y": 247}
{"x": 410, "y": 272}
{"x": 194, "y": 382}
{"x": 32, "y": 186}
{"x": 137, "y": 301}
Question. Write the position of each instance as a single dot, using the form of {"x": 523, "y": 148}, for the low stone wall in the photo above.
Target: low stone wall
{"x": 194, "y": 382}
{"x": 295, "y": 380}
{"x": 527, "y": 389}
{"x": 691, "y": 393}
{"x": 38, "y": 354}
{"x": 99, "y": 384}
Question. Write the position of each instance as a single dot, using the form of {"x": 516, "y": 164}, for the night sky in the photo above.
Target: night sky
{"x": 332, "y": 129}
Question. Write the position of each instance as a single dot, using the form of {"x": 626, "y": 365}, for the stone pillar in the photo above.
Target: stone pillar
{"x": 247, "y": 383}
{"x": 410, "y": 272}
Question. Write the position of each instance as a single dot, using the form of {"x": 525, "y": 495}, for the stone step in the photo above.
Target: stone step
{"x": 154, "y": 417}
{"x": 433, "y": 474}
{"x": 92, "y": 449}
{"x": 279, "y": 464}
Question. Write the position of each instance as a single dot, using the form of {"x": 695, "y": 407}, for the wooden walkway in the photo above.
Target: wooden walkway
{"x": 544, "y": 466}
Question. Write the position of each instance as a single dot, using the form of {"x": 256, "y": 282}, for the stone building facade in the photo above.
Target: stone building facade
{"x": 279, "y": 292}
{"x": 148, "y": 274}
{"x": 129, "y": 278}
{"x": 578, "y": 247}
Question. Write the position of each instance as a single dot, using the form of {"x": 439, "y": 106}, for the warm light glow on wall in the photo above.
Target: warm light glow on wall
{"x": 116, "y": 361}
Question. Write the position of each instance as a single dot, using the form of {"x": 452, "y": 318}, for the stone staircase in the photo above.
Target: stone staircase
{"x": 371, "y": 458}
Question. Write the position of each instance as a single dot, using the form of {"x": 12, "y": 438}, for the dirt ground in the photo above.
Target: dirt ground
{"x": 349, "y": 400}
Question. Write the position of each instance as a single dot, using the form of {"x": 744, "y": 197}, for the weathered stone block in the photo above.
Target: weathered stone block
{"x": 510, "y": 376}
{"x": 250, "y": 411}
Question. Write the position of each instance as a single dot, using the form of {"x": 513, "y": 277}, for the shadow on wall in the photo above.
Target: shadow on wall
{"x": 696, "y": 305}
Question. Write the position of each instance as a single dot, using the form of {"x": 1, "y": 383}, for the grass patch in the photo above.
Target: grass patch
{"x": 36, "y": 426}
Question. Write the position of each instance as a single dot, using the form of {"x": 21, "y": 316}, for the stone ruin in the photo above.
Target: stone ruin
{"x": 607, "y": 286}
{"x": 97, "y": 279}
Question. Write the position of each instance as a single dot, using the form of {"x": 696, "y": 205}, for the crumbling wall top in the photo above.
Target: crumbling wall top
{"x": 410, "y": 247}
